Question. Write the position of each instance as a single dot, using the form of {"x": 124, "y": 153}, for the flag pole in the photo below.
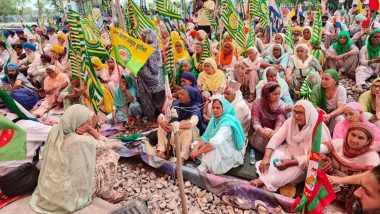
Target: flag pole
{"x": 120, "y": 14}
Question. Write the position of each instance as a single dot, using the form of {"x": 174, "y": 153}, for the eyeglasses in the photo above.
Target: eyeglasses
{"x": 299, "y": 113}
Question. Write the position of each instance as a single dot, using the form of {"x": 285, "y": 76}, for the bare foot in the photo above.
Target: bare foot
{"x": 257, "y": 183}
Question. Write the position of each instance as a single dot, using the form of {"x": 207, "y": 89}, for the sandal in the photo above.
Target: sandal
{"x": 117, "y": 197}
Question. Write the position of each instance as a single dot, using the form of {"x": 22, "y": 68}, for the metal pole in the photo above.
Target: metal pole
{"x": 181, "y": 185}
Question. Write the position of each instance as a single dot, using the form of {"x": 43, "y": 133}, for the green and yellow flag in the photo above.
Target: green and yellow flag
{"x": 251, "y": 34}
{"x": 136, "y": 21}
{"x": 261, "y": 10}
{"x": 316, "y": 37}
{"x": 12, "y": 141}
{"x": 168, "y": 9}
{"x": 130, "y": 52}
{"x": 232, "y": 23}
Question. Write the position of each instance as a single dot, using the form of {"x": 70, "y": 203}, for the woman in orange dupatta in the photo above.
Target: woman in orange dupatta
{"x": 226, "y": 57}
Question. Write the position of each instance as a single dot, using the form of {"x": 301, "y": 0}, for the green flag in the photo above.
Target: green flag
{"x": 12, "y": 141}
{"x": 251, "y": 34}
{"x": 261, "y": 10}
{"x": 317, "y": 34}
{"x": 136, "y": 21}
{"x": 232, "y": 23}
{"x": 289, "y": 36}
{"x": 168, "y": 9}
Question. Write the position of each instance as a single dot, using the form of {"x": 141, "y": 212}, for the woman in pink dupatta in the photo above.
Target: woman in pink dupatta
{"x": 294, "y": 153}
{"x": 54, "y": 83}
{"x": 113, "y": 75}
{"x": 352, "y": 155}
{"x": 247, "y": 72}
{"x": 353, "y": 112}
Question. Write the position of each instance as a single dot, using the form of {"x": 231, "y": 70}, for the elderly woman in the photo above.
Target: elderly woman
{"x": 329, "y": 96}
{"x": 36, "y": 73}
{"x": 222, "y": 146}
{"x": 179, "y": 48}
{"x": 54, "y": 83}
{"x": 248, "y": 74}
{"x": 19, "y": 87}
{"x": 260, "y": 39}
{"x": 233, "y": 94}
{"x": 353, "y": 113}
{"x": 74, "y": 93}
{"x": 211, "y": 79}
{"x": 197, "y": 57}
{"x": 271, "y": 74}
{"x": 268, "y": 115}
{"x": 188, "y": 79}
{"x": 294, "y": 153}
{"x": 184, "y": 66}
{"x": 279, "y": 38}
{"x": 190, "y": 123}
{"x": 306, "y": 39}
{"x": 301, "y": 64}
{"x": 115, "y": 71}
{"x": 58, "y": 59}
{"x": 73, "y": 156}
{"x": 125, "y": 105}
{"x": 343, "y": 55}
{"x": 226, "y": 57}
{"x": 369, "y": 60}
{"x": 277, "y": 58}
{"x": 370, "y": 101}
{"x": 352, "y": 155}
{"x": 150, "y": 84}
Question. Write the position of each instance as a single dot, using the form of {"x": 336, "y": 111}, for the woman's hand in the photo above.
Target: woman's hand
{"x": 264, "y": 165}
{"x": 335, "y": 180}
{"x": 285, "y": 164}
{"x": 327, "y": 118}
{"x": 288, "y": 80}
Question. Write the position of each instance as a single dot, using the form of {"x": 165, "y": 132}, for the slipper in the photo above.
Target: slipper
{"x": 117, "y": 197}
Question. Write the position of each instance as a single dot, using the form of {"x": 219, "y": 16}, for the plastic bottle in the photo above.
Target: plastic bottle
{"x": 252, "y": 157}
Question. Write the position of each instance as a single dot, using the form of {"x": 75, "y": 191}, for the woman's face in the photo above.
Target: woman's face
{"x": 185, "y": 82}
{"x": 375, "y": 39}
{"x": 301, "y": 53}
{"x": 123, "y": 83}
{"x": 111, "y": 64}
{"x": 342, "y": 40}
{"x": 357, "y": 139}
{"x": 327, "y": 81}
{"x": 274, "y": 96}
{"x": 227, "y": 48}
{"x": 208, "y": 68}
{"x": 306, "y": 34}
{"x": 299, "y": 115}
{"x": 186, "y": 66}
{"x": 183, "y": 96}
{"x": 51, "y": 73}
{"x": 278, "y": 39}
{"x": 198, "y": 49}
{"x": 54, "y": 55}
{"x": 272, "y": 75}
{"x": 251, "y": 54}
{"x": 276, "y": 51}
{"x": 351, "y": 115}
{"x": 178, "y": 47}
{"x": 217, "y": 109}
{"x": 61, "y": 41}
{"x": 375, "y": 88}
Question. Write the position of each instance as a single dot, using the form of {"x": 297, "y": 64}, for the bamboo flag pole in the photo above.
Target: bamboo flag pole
{"x": 181, "y": 185}
{"x": 112, "y": 11}
{"x": 120, "y": 14}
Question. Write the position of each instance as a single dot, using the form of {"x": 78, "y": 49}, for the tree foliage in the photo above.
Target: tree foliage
{"x": 12, "y": 7}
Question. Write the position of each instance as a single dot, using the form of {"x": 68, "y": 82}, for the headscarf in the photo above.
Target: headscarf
{"x": 58, "y": 49}
{"x": 179, "y": 71}
{"x": 29, "y": 46}
{"x": 273, "y": 59}
{"x": 183, "y": 54}
{"x": 318, "y": 94}
{"x": 185, "y": 111}
{"x": 284, "y": 86}
{"x": 61, "y": 35}
{"x": 53, "y": 68}
{"x": 212, "y": 82}
{"x": 68, "y": 161}
{"x": 222, "y": 58}
{"x": 261, "y": 108}
{"x": 98, "y": 63}
{"x": 342, "y": 126}
{"x": 282, "y": 36}
{"x": 189, "y": 76}
{"x": 202, "y": 34}
{"x": 227, "y": 119}
{"x": 13, "y": 66}
{"x": 373, "y": 51}
{"x": 298, "y": 63}
{"x": 298, "y": 136}
{"x": 351, "y": 153}
{"x": 339, "y": 49}
{"x": 311, "y": 32}
{"x": 360, "y": 18}
{"x": 154, "y": 63}
{"x": 151, "y": 37}
{"x": 119, "y": 99}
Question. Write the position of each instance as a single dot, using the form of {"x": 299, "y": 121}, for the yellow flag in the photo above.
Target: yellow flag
{"x": 129, "y": 51}
{"x": 360, "y": 7}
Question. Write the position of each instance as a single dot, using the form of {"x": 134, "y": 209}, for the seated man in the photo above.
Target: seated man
{"x": 233, "y": 94}
{"x": 190, "y": 123}
{"x": 36, "y": 72}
